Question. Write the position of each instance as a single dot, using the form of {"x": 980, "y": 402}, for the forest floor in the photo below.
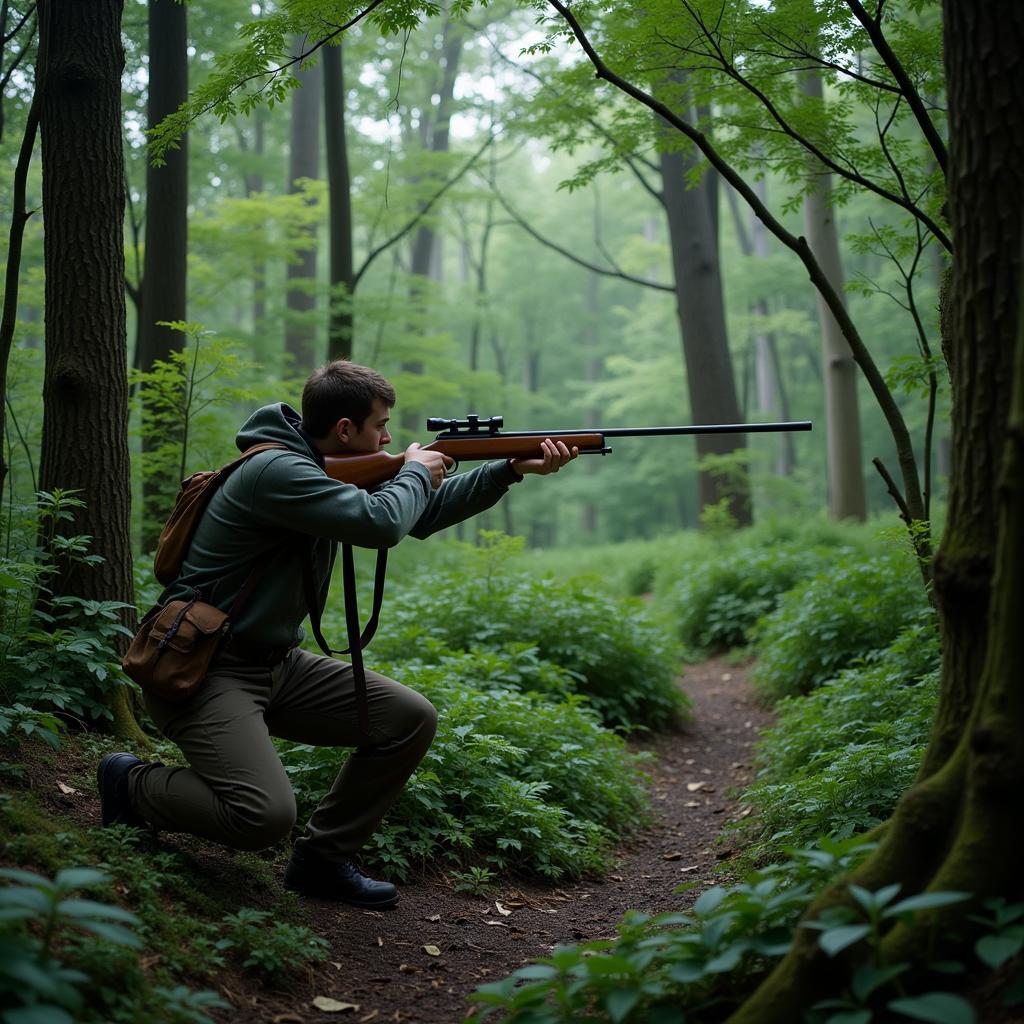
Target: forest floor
{"x": 418, "y": 962}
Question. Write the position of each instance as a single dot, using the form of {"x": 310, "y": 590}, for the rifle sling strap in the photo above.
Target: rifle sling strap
{"x": 356, "y": 641}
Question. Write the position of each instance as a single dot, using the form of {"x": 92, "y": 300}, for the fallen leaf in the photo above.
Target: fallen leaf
{"x": 692, "y": 867}
{"x": 745, "y": 812}
{"x": 673, "y": 855}
{"x": 433, "y": 917}
{"x": 431, "y": 951}
{"x": 329, "y": 1005}
{"x": 693, "y": 803}
{"x": 370, "y": 1016}
{"x": 500, "y": 924}
{"x": 726, "y": 676}
{"x": 501, "y": 910}
{"x": 615, "y": 878}
{"x": 66, "y": 790}
{"x": 408, "y": 969}
{"x": 287, "y": 1018}
{"x": 380, "y": 941}
{"x": 692, "y": 787}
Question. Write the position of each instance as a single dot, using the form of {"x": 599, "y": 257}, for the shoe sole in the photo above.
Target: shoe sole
{"x": 107, "y": 815}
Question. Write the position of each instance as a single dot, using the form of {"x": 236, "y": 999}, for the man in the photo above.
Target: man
{"x": 268, "y": 513}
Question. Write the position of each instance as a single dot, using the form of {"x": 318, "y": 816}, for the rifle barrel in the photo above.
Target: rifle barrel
{"x": 702, "y": 428}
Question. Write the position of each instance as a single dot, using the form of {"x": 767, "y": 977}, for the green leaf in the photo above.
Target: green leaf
{"x": 936, "y": 1008}
{"x": 835, "y": 940}
{"x": 28, "y": 877}
{"x": 867, "y": 978}
{"x": 81, "y": 878}
{"x": 536, "y": 972}
{"x": 850, "y": 1017}
{"x": 925, "y": 901}
{"x": 41, "y": 1013}
{"x": 112, "y": 933}
{"x": 92, "y": 909}
{"x": 995, "y": 950}
{"x": 620, "y": 1002}
{"x": 708, "y": 901}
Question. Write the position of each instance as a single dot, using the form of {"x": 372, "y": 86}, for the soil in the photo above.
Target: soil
{"x": 416, "y": 964}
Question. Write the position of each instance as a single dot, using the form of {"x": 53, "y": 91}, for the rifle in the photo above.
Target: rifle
{"x": 474, "y": 439}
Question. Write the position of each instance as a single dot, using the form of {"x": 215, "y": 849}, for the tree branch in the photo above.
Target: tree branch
{"x": 420, "y": 214}
{"x": 798, "y": 245}
{"x": 572, "y": 256}
{"x": 873, "y": 27}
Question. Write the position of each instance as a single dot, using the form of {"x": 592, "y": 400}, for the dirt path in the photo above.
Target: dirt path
{"x": 378, "y": 961}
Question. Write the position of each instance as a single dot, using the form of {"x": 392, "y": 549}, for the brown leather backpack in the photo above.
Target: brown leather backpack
{"x": 194, "y": 496}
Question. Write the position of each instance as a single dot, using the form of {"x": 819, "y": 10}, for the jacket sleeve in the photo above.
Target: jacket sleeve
{"x": 291, "y": 492}
{"x": 465, "y": 495}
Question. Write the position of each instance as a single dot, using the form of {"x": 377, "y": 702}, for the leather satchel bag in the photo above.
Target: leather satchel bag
{"x": 172, "y": 651}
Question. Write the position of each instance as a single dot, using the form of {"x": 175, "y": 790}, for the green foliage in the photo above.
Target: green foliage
{"x": 674, "y": 967}
{"x": 59, "y": 653}
{"x": 863, "y": 921}
{"x": 615, "y": 651}
{"x": 837, "y": 760}
{"x": 36, "y": 914}
{"x": 839, "y": 615}
{"x": 533, "y": 783}
{"x": 272, "y": 948}
{"x": 717, "y": 604}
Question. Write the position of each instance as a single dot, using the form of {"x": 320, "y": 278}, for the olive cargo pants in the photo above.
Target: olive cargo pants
{"x": 236, "y": 791}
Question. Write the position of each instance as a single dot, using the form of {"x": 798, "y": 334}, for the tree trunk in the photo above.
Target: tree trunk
{"x": 709, "y": 371}
{"x": 303, "y": 162}
{"x": 164, "y": 267}
{"x": 19, "y": 218}
{"x": 341, "y": 321}
{"x": 85, "y": 386}
{"x": 956, "y": 828}
{"x": 426, "y": 260}
{"x": 254, "y": 184}
{"x": 847, "y": 499}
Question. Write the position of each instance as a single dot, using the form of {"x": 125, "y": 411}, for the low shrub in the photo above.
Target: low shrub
{"x": 715, "y": 605}
{"x": 837, "y": 616}
{"x": 535, "y": 785}
{"x": 615, "y": 651}
{"x": 837, "y": 760}
{"x": 674, "y": 967}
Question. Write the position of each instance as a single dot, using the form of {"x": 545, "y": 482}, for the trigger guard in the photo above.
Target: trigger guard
{"x": 452, "y": 469}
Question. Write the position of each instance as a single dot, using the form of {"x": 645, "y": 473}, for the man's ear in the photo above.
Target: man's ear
{"x": 344, "y": 429}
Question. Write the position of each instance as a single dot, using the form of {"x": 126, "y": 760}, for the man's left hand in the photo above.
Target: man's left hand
{"x": 555, "y": 456}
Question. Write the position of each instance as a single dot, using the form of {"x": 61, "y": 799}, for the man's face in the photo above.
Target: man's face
{"x": 374, "y": 433}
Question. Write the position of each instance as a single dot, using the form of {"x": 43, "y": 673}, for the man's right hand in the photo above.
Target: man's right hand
{"x": 435, "y": 462}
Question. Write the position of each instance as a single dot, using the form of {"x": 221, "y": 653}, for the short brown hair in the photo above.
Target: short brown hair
{"x": 342, "y": 389}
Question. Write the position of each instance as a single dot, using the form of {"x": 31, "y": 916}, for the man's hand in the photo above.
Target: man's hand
{"x": 435, "y": 462}
{"x": 555, "y": 456}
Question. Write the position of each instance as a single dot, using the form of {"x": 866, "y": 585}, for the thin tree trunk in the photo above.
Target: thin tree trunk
{"x": 847, "y": 498}
{"x": 85, "y": 387}
{"x": 19, "y": 217}
{"x": 165, "y": 261}
{"x": 254, "y": 185}
{"x": 341, "y": 321}
{"x": 303, "y": 162}
{"x": 709, "y": 371}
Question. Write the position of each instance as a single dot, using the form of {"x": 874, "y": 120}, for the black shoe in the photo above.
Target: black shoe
{"x": 310, "y": 875}
{"x": 112, "y": 781}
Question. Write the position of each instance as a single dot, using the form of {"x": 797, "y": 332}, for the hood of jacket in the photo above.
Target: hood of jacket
{"x": 278, "y": 424}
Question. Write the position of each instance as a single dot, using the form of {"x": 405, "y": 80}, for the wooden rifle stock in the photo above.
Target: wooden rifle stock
{"x": 476, "y": 440}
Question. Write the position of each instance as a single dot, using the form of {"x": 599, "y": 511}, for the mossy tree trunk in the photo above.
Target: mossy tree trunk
{"x": 85, "y": 384}
{"x": 956, "y": 828}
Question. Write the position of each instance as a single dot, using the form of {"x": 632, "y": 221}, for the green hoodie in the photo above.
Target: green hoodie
{"x": 279, "y": 502}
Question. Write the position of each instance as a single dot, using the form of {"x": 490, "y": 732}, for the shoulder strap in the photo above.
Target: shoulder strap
{"x": 356, "y": 641}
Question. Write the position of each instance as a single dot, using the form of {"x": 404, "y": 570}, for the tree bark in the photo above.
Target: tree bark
{"x": 341, "y": 320}
{"x": 303, "y": 162}
{"x": 85, "y": 387}
{"x": 846, "y": 495}
{"x": 165, "y": 260}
